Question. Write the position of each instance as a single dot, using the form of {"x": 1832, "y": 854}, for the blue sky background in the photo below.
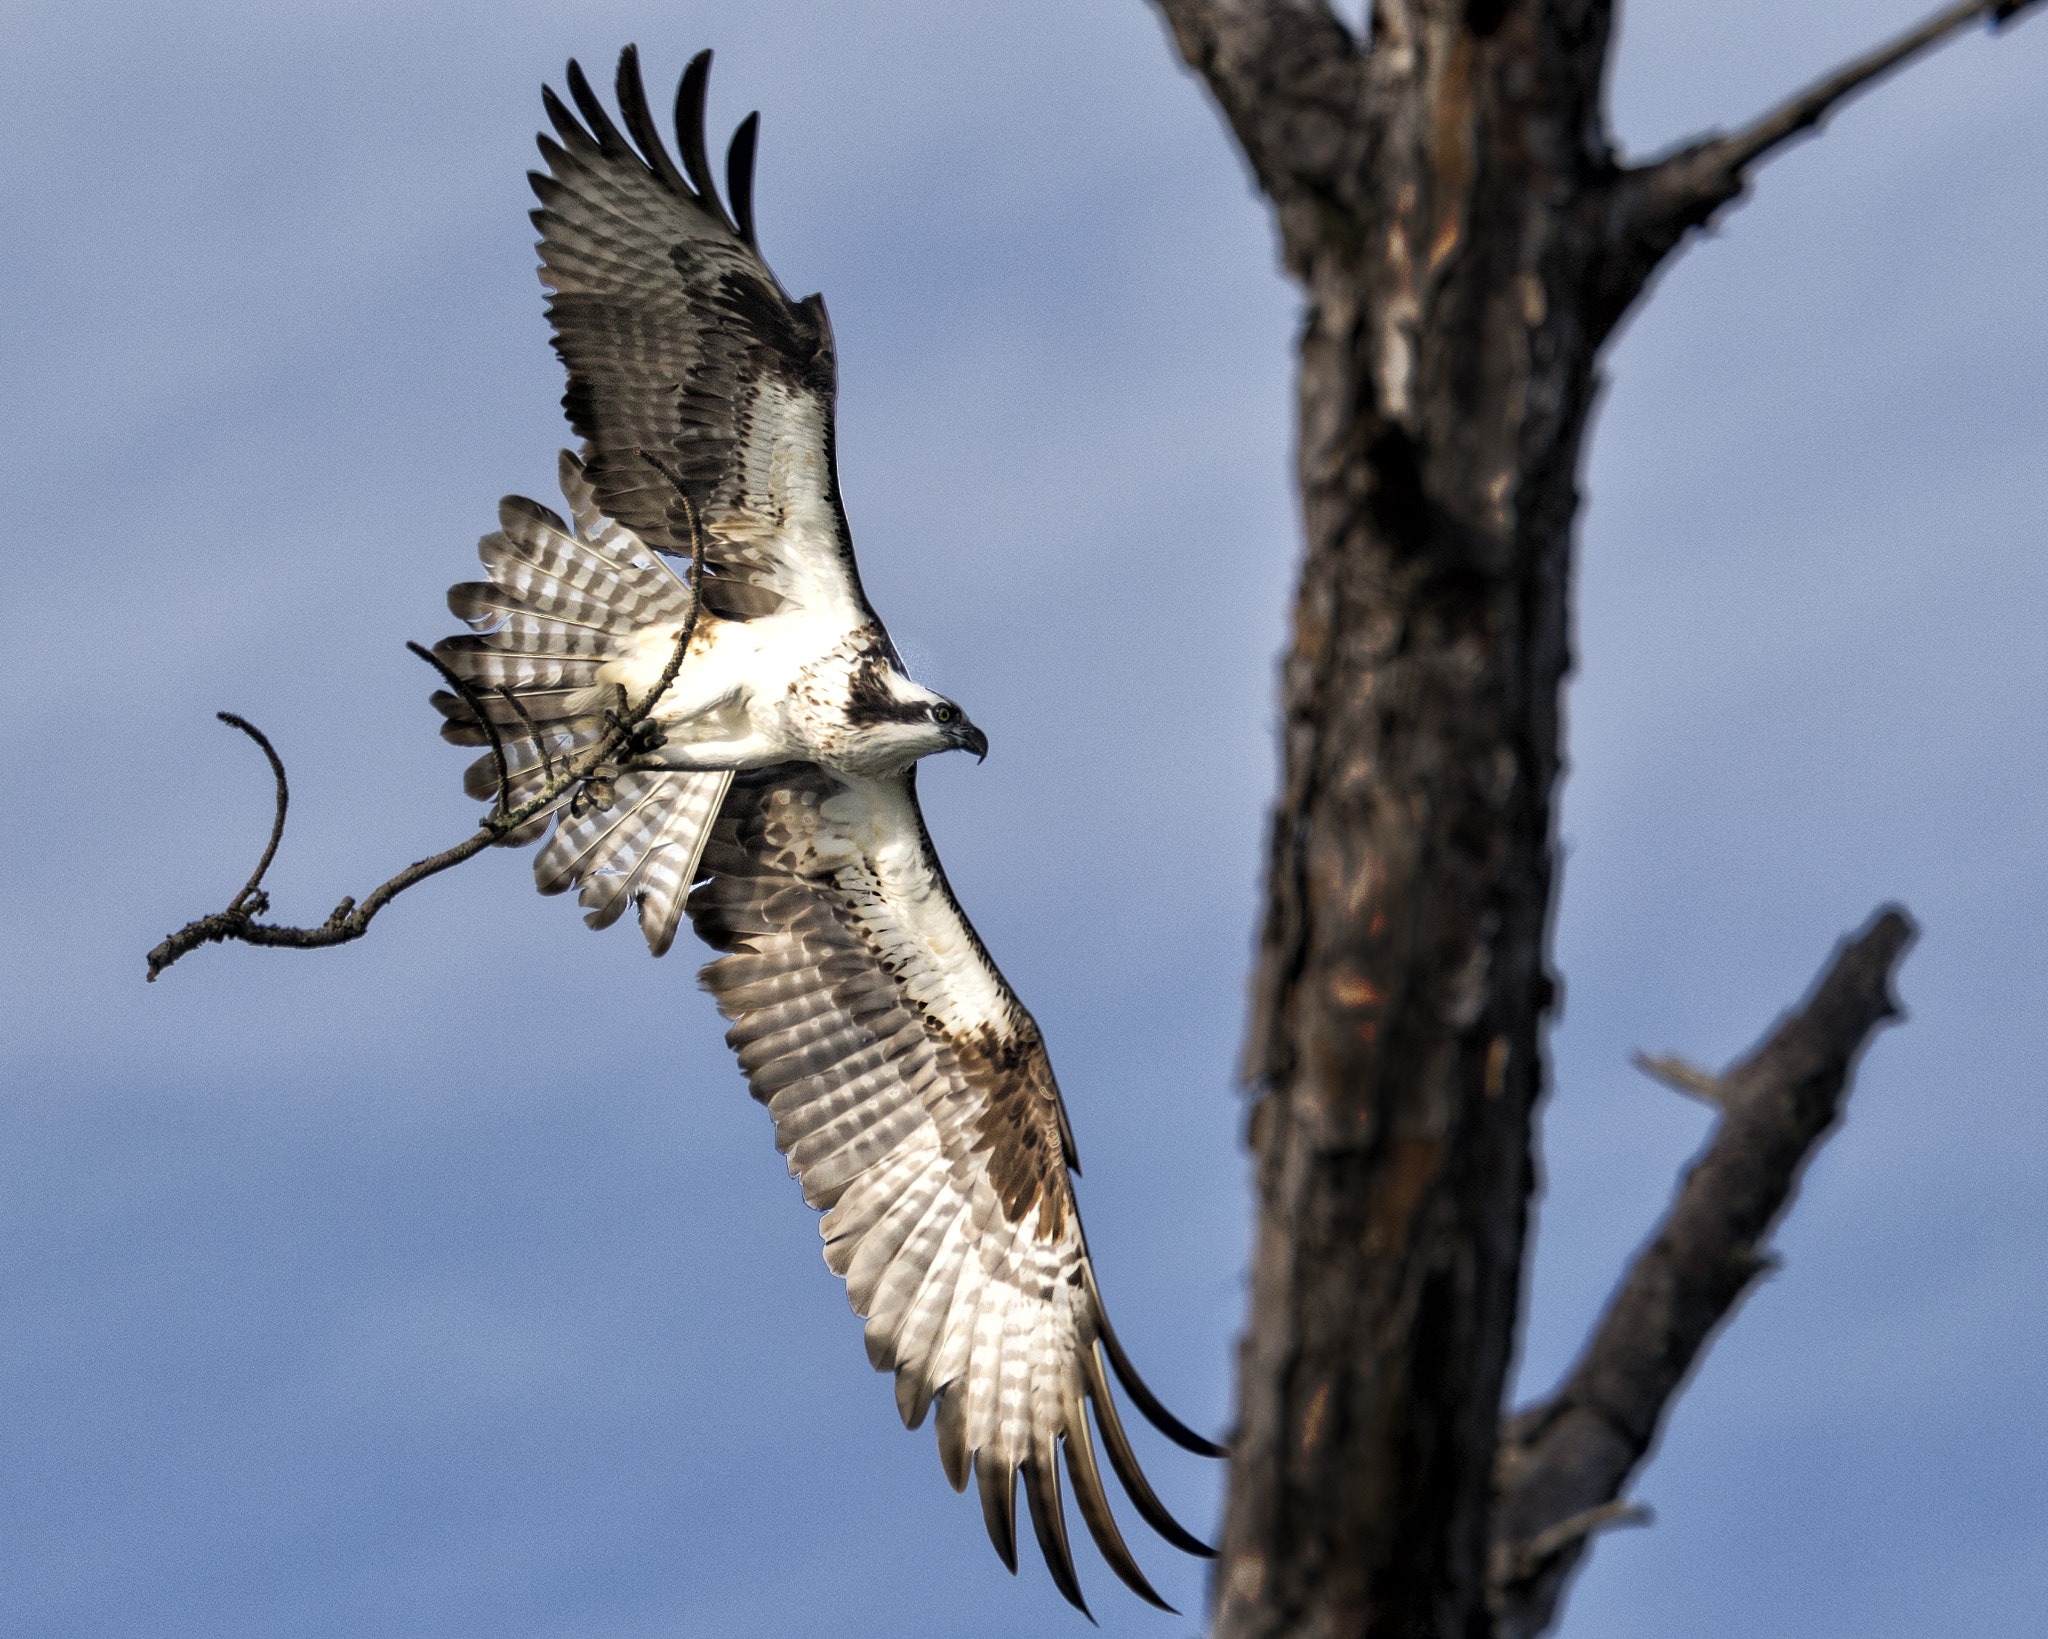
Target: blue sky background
{"x": 449, "y": 1284}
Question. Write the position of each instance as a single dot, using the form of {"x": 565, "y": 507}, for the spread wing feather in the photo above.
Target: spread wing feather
{"x": 688, "y": 365}
{"x": 914, "y": 1101}
{"x": 562, "y": 599}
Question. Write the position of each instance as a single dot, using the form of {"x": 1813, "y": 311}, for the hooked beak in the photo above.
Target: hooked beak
{"x": 966, "y": 737}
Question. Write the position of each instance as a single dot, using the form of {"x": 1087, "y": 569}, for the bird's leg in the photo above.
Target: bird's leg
{"x": 596, "y": 791}
{"x": 644, "y": 739}
{"x": 637, "y": 742}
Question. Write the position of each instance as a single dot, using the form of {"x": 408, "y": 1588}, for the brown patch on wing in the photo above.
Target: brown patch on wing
{"x": 816, "y": 1006}
{"x": 1020, "y": 1127}
{"x": 767, "y": 883}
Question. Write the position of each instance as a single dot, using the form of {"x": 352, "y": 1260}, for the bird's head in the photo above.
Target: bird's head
{"x": 895, "y": 721}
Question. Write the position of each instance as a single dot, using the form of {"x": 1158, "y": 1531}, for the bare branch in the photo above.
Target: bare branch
{"x": 1517, "y": 1562}
{"x": 350, "y": 920}
{"x": 1568, "y": 1458}
{"x": 540, "y": 746}
{"x": 252, "y": 894}
{"x": 1806, "y": 110}
{"x": 474, "y": 701}
{"x": 1686, "y": 187}
{"x": 1681, "y": 1077}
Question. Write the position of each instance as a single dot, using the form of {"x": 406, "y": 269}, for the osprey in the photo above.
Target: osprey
{"x": 775, "y": 801}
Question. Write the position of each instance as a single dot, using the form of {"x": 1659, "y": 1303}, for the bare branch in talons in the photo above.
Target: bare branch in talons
{"x": 587, "y": 775}
{"x": 474, "y": 701}
{"x": 541, "y": 754}
{"x": 1682, "y": 1077}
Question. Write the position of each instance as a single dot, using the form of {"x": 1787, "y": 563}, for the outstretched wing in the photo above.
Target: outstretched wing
{"x": 913, "y": 1097}
{"x": 691, "y": 373}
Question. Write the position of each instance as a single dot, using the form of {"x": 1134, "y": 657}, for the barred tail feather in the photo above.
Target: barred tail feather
{"x": 643, "y": 850}
{"x": 561, "y": 599}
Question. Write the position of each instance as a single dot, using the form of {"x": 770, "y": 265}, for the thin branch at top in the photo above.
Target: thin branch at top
{"x": 1811, "y": 106}
{"x": 1689, "y": 185}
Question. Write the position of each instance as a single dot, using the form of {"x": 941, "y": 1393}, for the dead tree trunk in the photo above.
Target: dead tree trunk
{"x": 1450, "y": 201}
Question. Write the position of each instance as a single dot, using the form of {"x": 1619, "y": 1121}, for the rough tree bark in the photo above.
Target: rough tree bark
{"x": 1449, "y": 198}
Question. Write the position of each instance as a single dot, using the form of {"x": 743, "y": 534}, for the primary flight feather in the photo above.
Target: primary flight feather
{"x": 773, "y": 800}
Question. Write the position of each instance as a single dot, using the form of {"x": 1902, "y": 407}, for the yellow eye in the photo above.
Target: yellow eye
{"x": 943, "y": 714}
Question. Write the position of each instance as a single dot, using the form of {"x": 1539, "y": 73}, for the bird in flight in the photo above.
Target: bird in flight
{"x": 772, "y": 796}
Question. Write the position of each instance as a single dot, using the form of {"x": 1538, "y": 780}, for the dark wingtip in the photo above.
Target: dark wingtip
{"x": 690, "y": 132}
{"x": 1125, "y": 1461}
{"x": 599, "y": 122}
{"x": 1142, "y": 1397}
{"x": 632, "y": 94}
{"x": 739, "y": 176}
{"x": 913, "y": 1398}
{"x": 997, "y": 1483}
{"x": 1095, "y": 1512}
{"x": 954, "y": 1457}
{"x": 1049, "y": 1525}
{"x": 566, "y": 125}
{"x": 579, "y": 88}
